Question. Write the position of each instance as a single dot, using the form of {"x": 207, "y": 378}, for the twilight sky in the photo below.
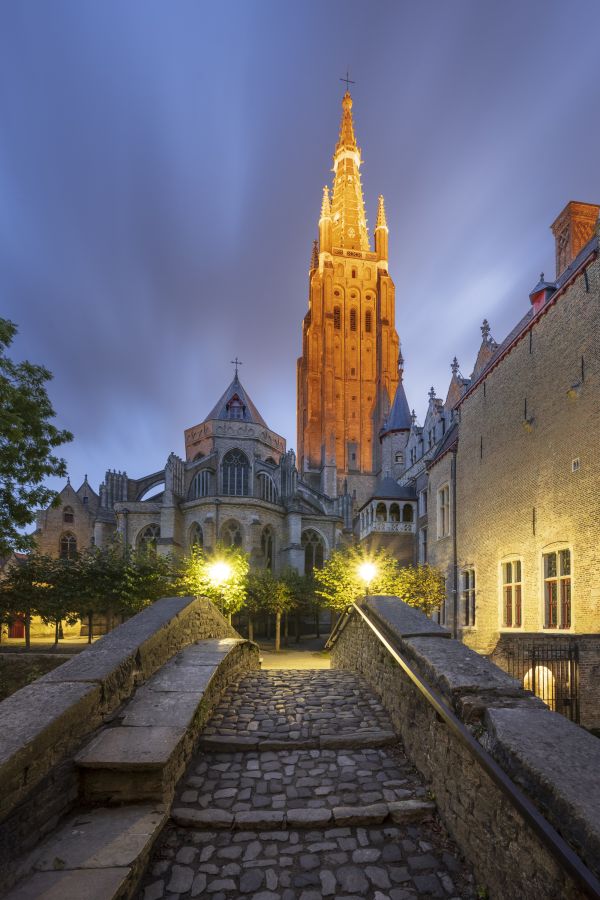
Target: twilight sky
{"x": 161, "y": 170}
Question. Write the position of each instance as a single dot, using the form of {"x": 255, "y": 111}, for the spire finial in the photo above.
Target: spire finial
{"x": 348, "y": 81}
{"x": 381, "y": 219}
{"x": 413, "y": 416}
{"x": 485, "y": 330}
{"x": 314, "y": 260}
{"x": 325, "y": 204}
{"x": 347, "y": 140}
{"x": 431, "y": 394}
{"x": 236, "y": 362}
{"x": 68, "y": 479}
{"x": 400, "y": 362}
{"x": 454, "y": 366}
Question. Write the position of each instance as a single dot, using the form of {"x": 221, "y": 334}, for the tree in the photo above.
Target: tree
{"x": 23, "y": 589}
{"x": 422, "y": 587}
{"x": 271, "y": 594}
{"x": 340, "y": 581}
{"x": 302, "y": 594}
{"x": 220, "y": 574}
{"x": 59, "y": 599}
{"x": 27, "y": 442}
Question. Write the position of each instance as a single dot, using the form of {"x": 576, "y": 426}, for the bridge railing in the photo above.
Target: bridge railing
{"x": 502, "y": 766}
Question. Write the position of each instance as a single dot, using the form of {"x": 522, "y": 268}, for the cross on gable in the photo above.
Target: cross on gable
{"x": 236, "y": 362}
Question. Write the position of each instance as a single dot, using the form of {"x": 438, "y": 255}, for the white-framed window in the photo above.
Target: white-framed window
{"x": 512, "y": 594}
{"x": 266, "y": 488}
{"x": 231, "y": 534}
{"x": 441, "y": 611}
{"x": 423, "y": 545}
{"x": 468, "y": 597}
{"x": 423, "y": 503}
{"x": 557, "y": 589}
{"x": 443, "y": 519}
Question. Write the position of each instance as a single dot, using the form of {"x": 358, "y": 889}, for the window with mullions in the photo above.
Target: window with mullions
{"x": 512, "y": 584}
{"x": 68, "y": 515}
{"x": 266, "y": 487}
{"x": 68, "y": 546}
{"x": 353, "y": 319}
{"x": 337, "y": 318}
{"x": 444, "y": 511}
{"x": 231, "y": 534}
{"x": 235, "y": 408}
{"x": 201, "y": 485}
{"x": 266, "y": 544}
{"x": 312, "y": 544}
{"x": 468, "y": 597}
{"x": 148, "y": 539}
{"x": 557, "y": 589}
{"x": 236, "y": 470}
{"x": 368, "y": 321}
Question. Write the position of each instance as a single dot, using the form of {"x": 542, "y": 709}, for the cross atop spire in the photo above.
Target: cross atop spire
{"x": 236, "y": 362}
{"x": 348, "y": 81}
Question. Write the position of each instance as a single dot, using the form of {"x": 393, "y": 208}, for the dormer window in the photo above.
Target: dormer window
{"x": 235, "y": 408}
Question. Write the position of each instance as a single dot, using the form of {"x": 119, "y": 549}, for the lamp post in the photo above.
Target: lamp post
{"x": 367, "y": 572}
{"x": 219, "y": 572}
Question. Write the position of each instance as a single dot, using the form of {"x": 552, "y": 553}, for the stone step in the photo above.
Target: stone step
{"x": 296, "y": 779}
{"x": 96, "y": 854}
{"x": 220, "y": 743}
{"x": 401, "y": 812}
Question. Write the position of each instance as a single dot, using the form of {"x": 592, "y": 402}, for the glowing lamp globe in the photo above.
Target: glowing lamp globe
{"x": 219, "y": 572}
{"x": 367, "y": 572}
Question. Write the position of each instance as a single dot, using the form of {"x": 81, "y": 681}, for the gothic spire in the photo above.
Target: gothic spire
{"x": 348, "y": 206}
{"x": 381, "y": 219}
{"x": 325, "y": 204}
{"x": 346, "y": 141}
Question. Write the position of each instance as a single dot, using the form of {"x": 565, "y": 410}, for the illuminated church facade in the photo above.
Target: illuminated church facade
{"x": 498, "y": 487}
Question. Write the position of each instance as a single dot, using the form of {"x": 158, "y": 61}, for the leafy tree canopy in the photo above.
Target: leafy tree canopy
{"x": 220, "y": 574}
{"x": 342, "y": 579}
{"x": 27, "y": 444}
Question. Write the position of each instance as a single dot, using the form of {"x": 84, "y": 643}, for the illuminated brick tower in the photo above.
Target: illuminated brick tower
{"x": 348, "y": 370}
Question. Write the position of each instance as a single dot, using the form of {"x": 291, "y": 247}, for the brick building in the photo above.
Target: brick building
{"x": 506, "y": 473}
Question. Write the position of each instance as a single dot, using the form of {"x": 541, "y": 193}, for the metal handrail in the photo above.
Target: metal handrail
{"x": 561, "y": 851}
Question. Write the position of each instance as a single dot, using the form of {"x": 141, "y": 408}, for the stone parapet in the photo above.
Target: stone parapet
{"x": 552, "y": 760}
{"x": 43, "y": 725}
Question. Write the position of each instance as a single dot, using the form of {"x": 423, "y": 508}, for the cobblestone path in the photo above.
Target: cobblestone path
{"x": 300, "y": 790}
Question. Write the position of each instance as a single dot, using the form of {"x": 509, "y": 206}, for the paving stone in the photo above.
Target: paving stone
{"x": 352, "y": 879}
{"x": 181, "y": 879}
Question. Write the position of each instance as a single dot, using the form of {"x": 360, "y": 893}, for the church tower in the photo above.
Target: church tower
{"x": 347, "y": 373}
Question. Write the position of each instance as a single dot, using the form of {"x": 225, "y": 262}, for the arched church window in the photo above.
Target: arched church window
{"x": 354, "y": 273}
{"x": 337, "y": 318}
{"x": 266, "y": 545}
{"x": 353, "y": 319}
{"x": 235, "y": 408}
{"x": 236, "y": 471}
{"x": 201, "y": 485}
{"x": 314, "y": 550}
{"x": 68, "y": 546}
{"x": 196, "y": 536}
{"x": 381, "y": 512}
{"x": 407, "y": 512}
{"x": 394, "y": 513}
{"x": 68, "y": 514}
{"x": 231, "y": 534}
{"x": 368, "y": 321}
{"x": 148, "y": 538}
{"x": 266, "y": 488}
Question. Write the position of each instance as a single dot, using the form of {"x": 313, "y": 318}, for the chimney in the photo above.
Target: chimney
{"x": 572, "y": 230}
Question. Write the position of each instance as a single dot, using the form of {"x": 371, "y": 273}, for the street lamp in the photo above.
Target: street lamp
{"x": 219, "y": 572}
{"x": 367, "y": 572}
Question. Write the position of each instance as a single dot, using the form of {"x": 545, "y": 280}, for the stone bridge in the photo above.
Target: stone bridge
{"x": 162, "y": 762}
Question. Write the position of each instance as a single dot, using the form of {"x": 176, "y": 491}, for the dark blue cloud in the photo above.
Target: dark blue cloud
{"x": 161, "y": 168}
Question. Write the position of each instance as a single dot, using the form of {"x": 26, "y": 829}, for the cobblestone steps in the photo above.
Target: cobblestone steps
{"x": 301, "y": 791}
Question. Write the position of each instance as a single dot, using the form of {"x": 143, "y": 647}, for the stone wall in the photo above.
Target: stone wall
{"x": 44, "y": 724}
{"x": 519, "y": 493}
{"x": 554, "y": 761}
